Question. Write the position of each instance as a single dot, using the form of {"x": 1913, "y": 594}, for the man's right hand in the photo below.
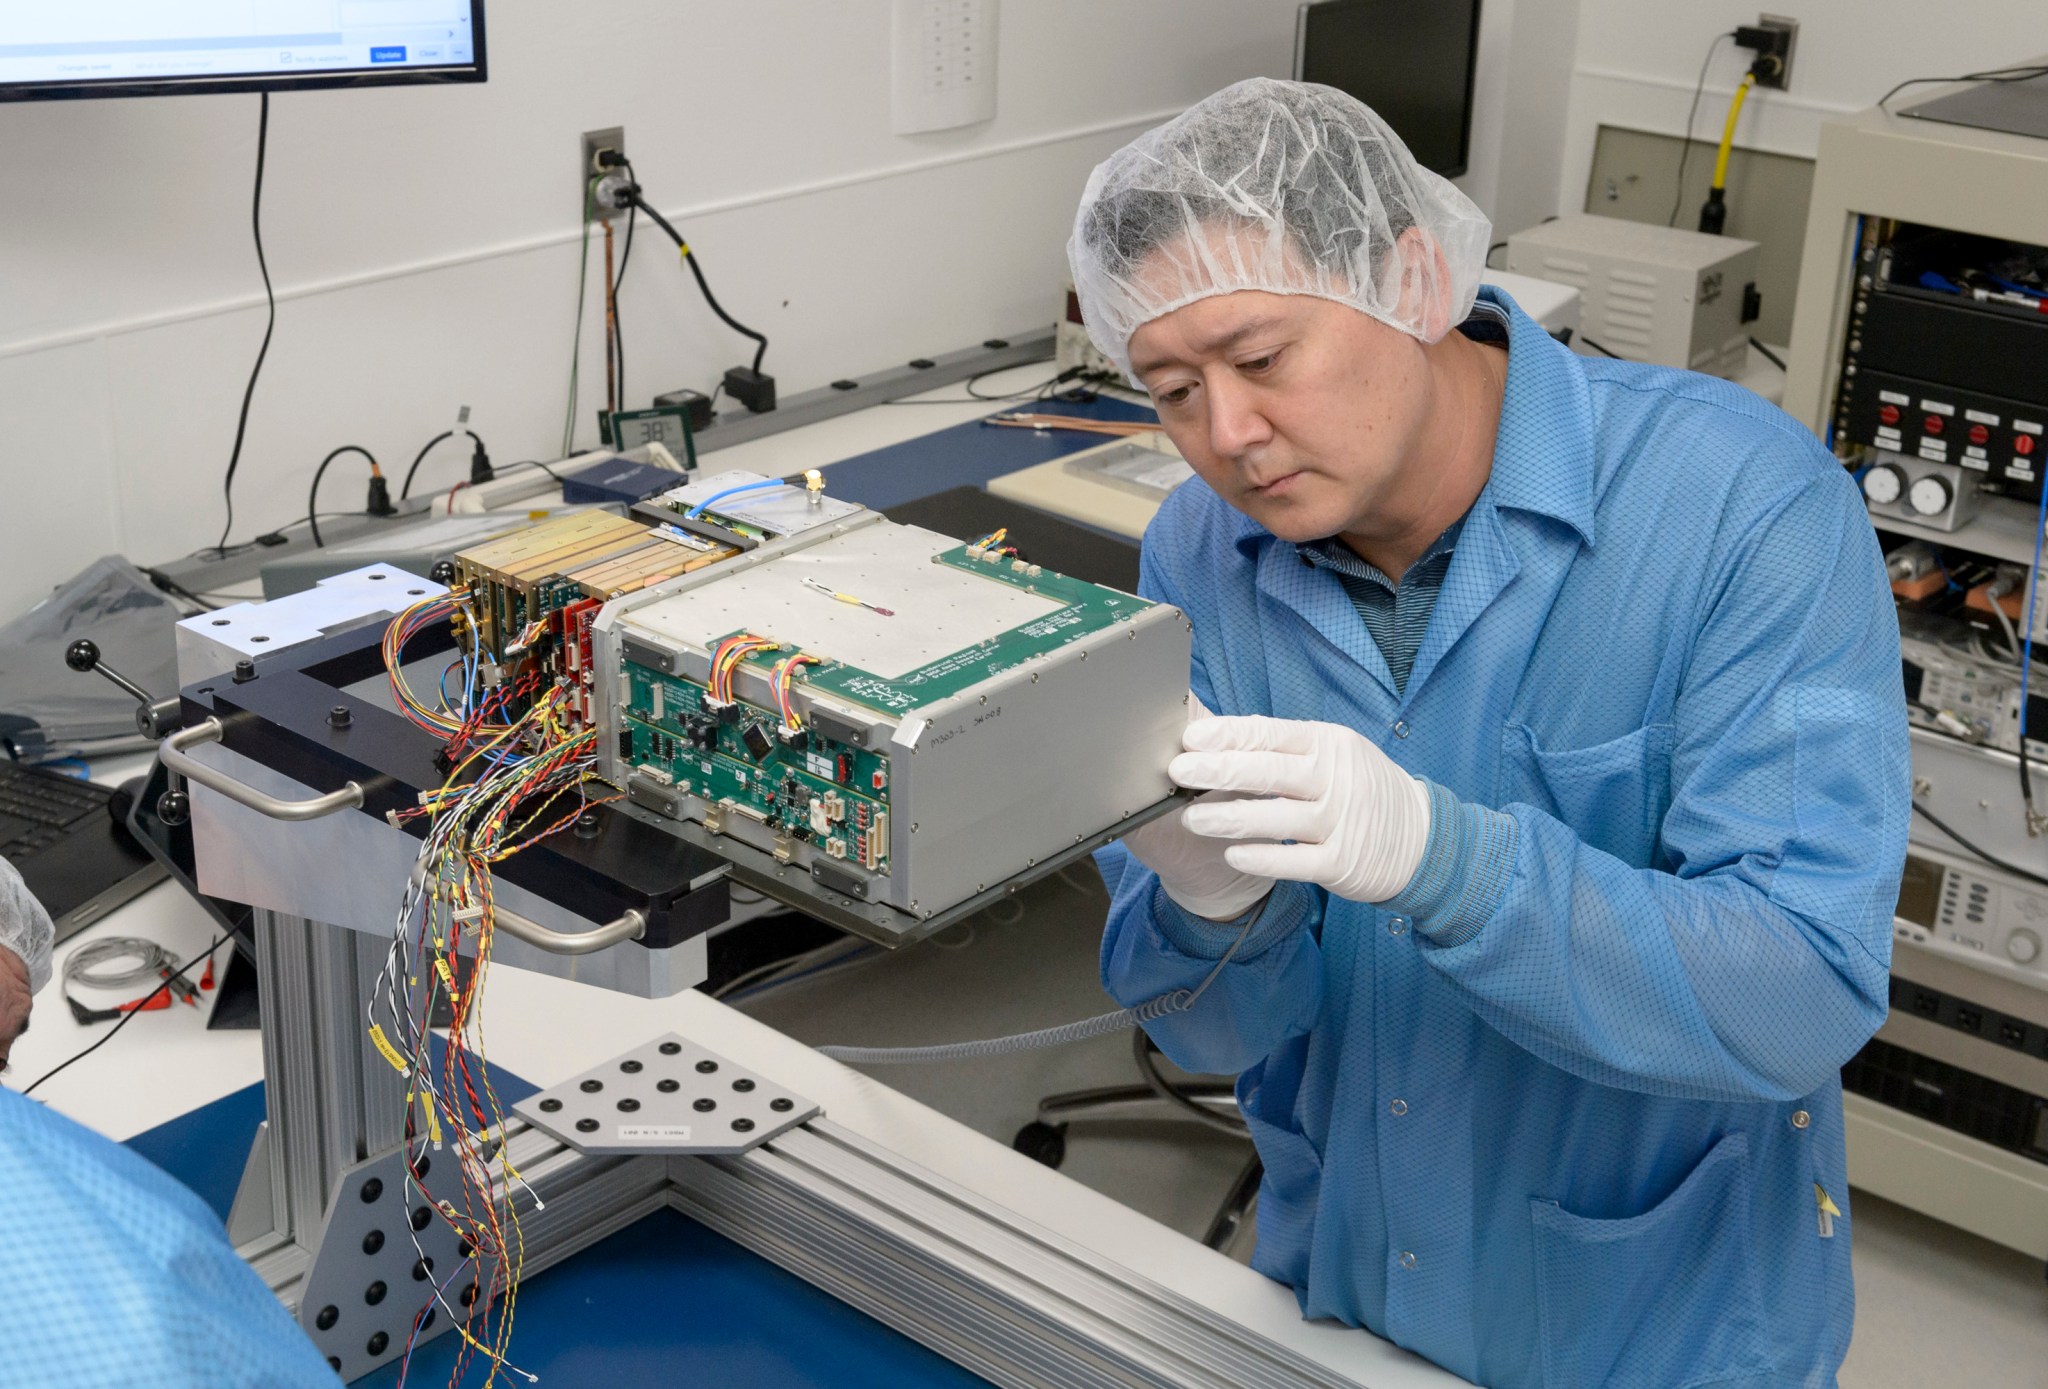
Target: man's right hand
{"x": 1190, "y": 866}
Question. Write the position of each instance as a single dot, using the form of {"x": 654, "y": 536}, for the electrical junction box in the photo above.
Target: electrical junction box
{"x": 1649, "y": 293}
{"x": 921, "y": 719}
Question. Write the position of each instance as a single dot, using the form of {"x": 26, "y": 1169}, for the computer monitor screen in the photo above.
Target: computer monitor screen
{"x": 93, "y": 48}
{"x": 1409, "y": 60}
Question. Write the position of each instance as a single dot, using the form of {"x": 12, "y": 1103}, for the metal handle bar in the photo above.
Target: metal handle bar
{"x": 630, "y": 926}
{"x": 174, "y": 754}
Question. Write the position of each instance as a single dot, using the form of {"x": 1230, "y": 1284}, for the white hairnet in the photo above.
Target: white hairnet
{"x": 25, "y": 927}
{"x": 1287, "y": 187}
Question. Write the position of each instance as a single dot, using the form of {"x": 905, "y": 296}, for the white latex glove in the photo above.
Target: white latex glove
{"x": 1192, "y": 868}
{"x": 1357, "y": 822}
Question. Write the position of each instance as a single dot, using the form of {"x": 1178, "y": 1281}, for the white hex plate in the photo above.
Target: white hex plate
{"x": 666, "y": 1096}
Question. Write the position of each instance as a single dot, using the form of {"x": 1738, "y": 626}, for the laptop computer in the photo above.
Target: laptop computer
{"x": 71, "y": 851}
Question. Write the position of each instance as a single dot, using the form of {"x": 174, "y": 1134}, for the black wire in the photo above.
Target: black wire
{"x": 1773, "y": 358}
{"x": 1606, "y": 351}
{"x": 2000, "y": 75}
{"x": 1031, "y": 392}
{"x": 1496, "y": 246}
{"x": 530, "y": 463}
{"x": 406, "y": 490}
{"x": 177, "y": 590}
{"x": 130, "y": 1015}
{"x": 619, "y": 283}
{"x": 1931, "y": 818}
{"x": 1685, "y": 140}
{"x": 1142, "y": 1049}
{"x": 313, "y": 497}
{"x": 690, "y": 259}
{"x": 249, "y": 394}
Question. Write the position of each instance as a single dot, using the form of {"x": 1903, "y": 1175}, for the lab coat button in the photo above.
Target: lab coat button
{"x": 1401, "y": 728}
{"x": 1800, "y": 1118}
{"x": 1397, "y": 925}
{"x": 1399, "y": 1107}
{"x": 1407, "y": 1259}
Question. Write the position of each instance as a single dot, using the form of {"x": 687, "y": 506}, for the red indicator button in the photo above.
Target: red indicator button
{"x": 1888, "y": 414}
{"x": 2023, "y": 444}
{"x": 1933, "y": 425}
{"x": 1979, "y": 435}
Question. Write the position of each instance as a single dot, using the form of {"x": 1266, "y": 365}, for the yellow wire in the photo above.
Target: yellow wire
{"x": 1728, "y": 131}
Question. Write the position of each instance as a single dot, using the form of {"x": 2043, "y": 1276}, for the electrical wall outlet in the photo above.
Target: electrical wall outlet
{"x": 1772, "y": 37}
{"x": 595, "y": 142}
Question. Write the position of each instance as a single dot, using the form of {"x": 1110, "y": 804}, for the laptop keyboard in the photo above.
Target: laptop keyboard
{"x": 36, "y": 810}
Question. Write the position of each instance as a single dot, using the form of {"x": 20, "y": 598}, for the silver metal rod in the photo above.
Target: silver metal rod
{"x": 175, "y": 754}
{"x": 631, "y": 926}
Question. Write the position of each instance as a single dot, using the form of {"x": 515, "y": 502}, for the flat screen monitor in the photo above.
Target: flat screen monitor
{"x": 1409, "y": 60}
{"x": 94, "y": 48}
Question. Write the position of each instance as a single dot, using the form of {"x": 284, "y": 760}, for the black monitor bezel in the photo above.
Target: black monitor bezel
{"x": 477, "y": 71}
{"x": 1464, "y": 160}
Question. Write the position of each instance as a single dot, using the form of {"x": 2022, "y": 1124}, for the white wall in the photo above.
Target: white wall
{"x": 424, "y": 242}
{"x": 1637, "y": 61}
{"x": 1519, "y": 106}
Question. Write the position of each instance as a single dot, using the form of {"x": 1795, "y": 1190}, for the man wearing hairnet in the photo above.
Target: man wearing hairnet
{"x": 1557, "y": 771}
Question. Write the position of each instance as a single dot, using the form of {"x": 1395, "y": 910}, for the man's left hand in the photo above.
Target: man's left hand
{"x": 1337, "y": 811}
{"x": 15, "y": 1000}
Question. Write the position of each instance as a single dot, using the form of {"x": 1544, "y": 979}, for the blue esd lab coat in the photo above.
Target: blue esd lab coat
{"x": 1561, "y": 1115}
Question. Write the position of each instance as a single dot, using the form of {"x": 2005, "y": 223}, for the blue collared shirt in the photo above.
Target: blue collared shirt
{"x": 1560, "y": 1114}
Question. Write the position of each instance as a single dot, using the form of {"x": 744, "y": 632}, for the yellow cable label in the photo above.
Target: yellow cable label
{"x": 386, "y": 1050}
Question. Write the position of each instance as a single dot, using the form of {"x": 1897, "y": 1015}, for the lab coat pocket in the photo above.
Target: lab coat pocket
{"x": 1661, "y": 1300}
{"x": 1614, "y": 794}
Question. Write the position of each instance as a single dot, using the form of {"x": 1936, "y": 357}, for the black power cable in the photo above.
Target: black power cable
{"x": 1773, "y": 358}
{"x": 446, "y": 434}
{"x": 1692, "y": 115}
{"x": 270, "y": 297}
{"x": 1602, "y": 350}
{"x": 633, "y": 199}
{"x": 618, "y": 284}
{"x": 134, "y": 1013}
{"x": 313, "y": 497}
{"x": 1931, "y": 818}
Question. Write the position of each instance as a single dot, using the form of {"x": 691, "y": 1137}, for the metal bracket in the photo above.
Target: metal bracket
{"x": 174, "y": 753}
{"x": 384, "y": 1252}
{"x": 667, "y": 1097}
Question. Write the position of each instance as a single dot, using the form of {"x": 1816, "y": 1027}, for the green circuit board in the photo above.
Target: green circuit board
{"x": 813, "y": 789}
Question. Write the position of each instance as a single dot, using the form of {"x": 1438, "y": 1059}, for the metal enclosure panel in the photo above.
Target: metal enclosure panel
{"x": 1973, "y": 1186}
{"x": 988, "y": 783}
{"x": 1656, "y": 294}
